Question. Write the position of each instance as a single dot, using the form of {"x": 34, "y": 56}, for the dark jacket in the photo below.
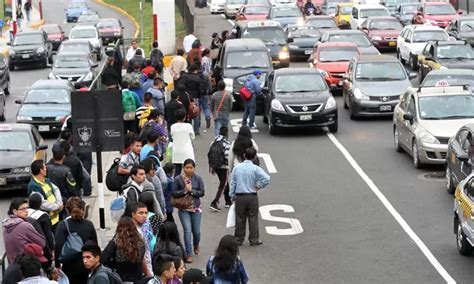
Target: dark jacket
{"x": 72, "y": 161}
{"x": 110, "y": 77}
{"x": 44, "y": 222}
{"x": 99, "y": 276}
{"x": 197, "y": 188}
{"x": 128, "y": 271}
{"x": 171, "y": 248}
{"x": 136, "y": 59}
{"x": 192, "y": 83}
{"x": 170, "y": 111}
{"x": 62, "y": 177}
{"x": 167, "y": 194}
{"x": 156, "y": 58}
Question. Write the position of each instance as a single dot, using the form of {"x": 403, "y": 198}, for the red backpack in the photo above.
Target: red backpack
{"x": 245, "y": 93}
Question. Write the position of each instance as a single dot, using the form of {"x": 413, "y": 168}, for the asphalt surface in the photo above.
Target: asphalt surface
{"x": 349, "y": 235}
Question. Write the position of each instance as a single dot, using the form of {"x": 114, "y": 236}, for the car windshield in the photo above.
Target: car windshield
{"x": 424, "y": 36}
{"x": 299, "y": 83}
{"x": 380, "y": 71}
{"x": 439, "y": 10}
{"x": 51, "y": 29}
{"x": 248, "y": 59}
{"x": 15, "y": 141}
{"x": 467, "y": 26}
{"x": 88, "y": 18}
{"x": 256, "y": 10}
{"x": 107, "y": 24}
{"x": 448, "y": 80}
{"x": 266, "y": 34}
{"x": 385, "y": 25}
{"x": 322, "y": 23}
{"x": 285, "y": 12}
{"x": 394, "y": 3}
{"x": 301, "y": 32}
{"x": 75, "y": 47}
{"x": 337, "y": 54}
{"x": 345, "y": 10}
{"x": 71, "y": 61}
{"x": 365, "y": 13}
{"x": 83, "y": 33}
{"x": 47, "y": 96}
{"x": 359, "y": 39}
{"x": 235, "y": 2}
{"x": 27, "y": 39}
{"x": 330, "y": 10}
{"x": 409, "y": 9}
{"x": 455, "y": 52}
{"x": 446, "y": 107}
{"x": 262, "y": 2}
{"x": 76, "y": 5}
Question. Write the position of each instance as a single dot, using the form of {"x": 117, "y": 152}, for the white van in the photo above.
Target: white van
{"x": 217, "y": 6}
{"x": 361, "y": 12}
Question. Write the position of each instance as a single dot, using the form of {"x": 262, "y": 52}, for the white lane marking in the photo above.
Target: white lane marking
{"x": 424, "y": 249}
{"x": 230, "y": 22}
{"x": 295, "y": 225}
{"x": 237, "y": 123}
{"x": 267, "y": 159}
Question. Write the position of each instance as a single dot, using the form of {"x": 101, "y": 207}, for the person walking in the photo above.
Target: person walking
{"x": 180, "y": 270}
{"x": 72, "y": 265}
{"x": 246, "y": 180}
{"x": 43, "y": 220}
{"x": 72, "y": 161}
{"x": 91, "y": 258}
{"x": 109, "y": 77}
{"x": 169, "y": 241}
{"x": 188, "y": 41}
{"x": 169, "y": 169}
{"x": 148, "y": 79}
{"x": 225, "y": 265}
{"x": 238, "y": 147}
{"x": 182, "y": 134}
{"x": 125, "y": 252}
{"x": 142, "y": 113}
{"x": 17, "y": 231}
{"x": 194, "y": 55}
{"x": 156, "y": 58}
{"x": 171, "y": 107}
{"x": 134, "y": 188}
{"x": 130, "y": 103}
{"x": 28, "y": 7}
{"x": 222, "y": 146}
{"x": 178, "y": 65}
{"x": 189, "y": 183}
{"x": 253, "y": 85}
{"x": 221, "y": 106}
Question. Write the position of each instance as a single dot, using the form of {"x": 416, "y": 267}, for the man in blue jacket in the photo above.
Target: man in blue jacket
{"x": 253, "y": 84}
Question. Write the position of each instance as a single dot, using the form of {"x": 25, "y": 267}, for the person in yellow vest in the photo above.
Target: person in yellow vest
{"x": 52, "y": 201}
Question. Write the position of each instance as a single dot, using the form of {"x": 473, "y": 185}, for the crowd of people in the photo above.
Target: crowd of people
{"x": 48, "y": 236}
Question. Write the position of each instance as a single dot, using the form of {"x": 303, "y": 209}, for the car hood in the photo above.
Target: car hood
{"x": 303, "y": 98}
{"x": 44, "y": 110}
{"x": 385, "y": 33}
{"x": 444, "y": 128}
{"x": 70, "y": 71}
{"x": 333, "y": 67}
{"x": 417, "y": 47}
{"x": 441, "y": 18}
{"x": 11, "y": 160}
{"x": 458, "y": 64}
{"x": 75, "y": 11}
{"x": 286, "y": 20}
{"x": 256, "y": 17}
{"x": 305, "y": 41}
{"x": 55, "y": 36}
{"x": 467, "y": 35}
{"x": 368, "y": 50}
{"x": 383, "y": 88}
{"x": 26, "y": 47}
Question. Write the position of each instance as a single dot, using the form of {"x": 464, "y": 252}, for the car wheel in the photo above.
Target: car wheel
{"x": 396, "y": 139}
{"x": 272, "y": 128}
{"x": 333, "y": 128}
{"x": 412, "y": 62}
{"x": 11, "y": 67}
{"x": 415, "y": 156}
{"x": 449, "y": 181}
{"x": 7, "y": 89}
{"x": 463, "y": 245}
{"x": 399, "y": 56}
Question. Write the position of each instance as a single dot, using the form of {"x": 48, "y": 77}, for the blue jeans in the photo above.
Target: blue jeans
{"x": 203, "y": 104}
{"x": 219, "y": 122}
{"x": 249, "y": 112}
{"x": 191, "y": 222}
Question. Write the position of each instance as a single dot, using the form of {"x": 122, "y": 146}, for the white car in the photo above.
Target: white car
{"x": 412, "y": 40}
{"x": 360, "y": 13}
{"x": 217, "y": 6}
{"x": 90, "y": 33}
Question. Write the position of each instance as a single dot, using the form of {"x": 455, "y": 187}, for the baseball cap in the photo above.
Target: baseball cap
{"x": 36, "y": 250}
{"x": 257, "y": 72}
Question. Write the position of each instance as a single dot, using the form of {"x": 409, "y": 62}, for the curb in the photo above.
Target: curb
{"x": 37, "y": 25}
{"x": 123, "y": 12}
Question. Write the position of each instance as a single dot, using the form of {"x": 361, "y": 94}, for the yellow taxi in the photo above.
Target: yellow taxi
{"x": 20, "y": 144}
{"x": 343, "y": 15}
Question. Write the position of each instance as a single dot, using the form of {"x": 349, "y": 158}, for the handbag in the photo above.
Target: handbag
{"x": 245, "y": 93}
{"x": 193, "y": 109}
{"x": 214, "y": 53}
{"x": 183, "y": 202}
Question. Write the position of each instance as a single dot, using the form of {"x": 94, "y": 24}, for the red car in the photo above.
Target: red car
{"x": 436, "y": 14}
{"x": 252, "y": 12}
{"x": 382, "y": 31}
{"x": 110, "y": 30}
{"x": 55, "y": 34}
{"x": 332, "y": 60}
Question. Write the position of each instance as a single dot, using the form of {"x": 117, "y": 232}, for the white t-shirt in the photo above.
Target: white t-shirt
{"x": 188, "y": 42}
{"x": 182, "y": 134}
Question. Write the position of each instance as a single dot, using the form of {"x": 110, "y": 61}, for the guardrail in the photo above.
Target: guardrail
{"x": 187, "y": 14}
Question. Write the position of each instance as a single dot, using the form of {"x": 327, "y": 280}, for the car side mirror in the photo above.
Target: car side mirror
{"x": 462, "y": 156}
{"x": 18, "y": 102}
{"x": 460, "y": 12}
{"x": 290, "y": 40}
{"x": 41, "y": 147}
{"x": 409, "y": 117}
{"x": 412, "y": 75}
{"x": 66, "y": 37}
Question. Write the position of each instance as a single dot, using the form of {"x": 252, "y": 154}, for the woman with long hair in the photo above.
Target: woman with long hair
{"x": 225, "y": 265}
{"x": 125, "y": 252}
{"x": 72, "y": 265}
{"x": 238, "y": 147}
{"x": 169, "y": 241}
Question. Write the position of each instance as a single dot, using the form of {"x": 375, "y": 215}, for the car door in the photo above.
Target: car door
{"x": 452, "y": 29}
{"x": 401, "y": 39}
{"x": 409, "y": 127}
{"x": 405, "y": 52}
{"x": 347, "y": 84}
{"x": 268, "y": 94}
{"x": 399, "y": 111}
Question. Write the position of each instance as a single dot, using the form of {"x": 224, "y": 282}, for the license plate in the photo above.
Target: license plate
{"x": 385, "y": 108}
{"x": 392, "y": 43}
{"x": 43, "y": 128}
{"x": 25, "y": 56}
{"x": 306, "y": 117}
{"x": 3, "y": 180}
{"x": 308, "y": 52}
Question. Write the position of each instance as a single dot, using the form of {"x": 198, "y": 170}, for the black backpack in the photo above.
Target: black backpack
{"x": 216, "y": 156}
{"x": 113, "y": 180}
{"x": 143, "y": 136}
{"x": 113, "y": 277}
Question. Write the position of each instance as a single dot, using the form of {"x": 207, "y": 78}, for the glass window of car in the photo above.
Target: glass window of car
{"x": 233, "y": 2}
{"x": 293, "y": 83}
{"x": 337, "y": 54}
{"x": 47, "y": 96}
{"x": 285, "y": 12}
{"x": 404, "y": 101}
{"x": 72, "y": 61}
{"x": 385, "y": 25}
{"x": 75, "y": 46}
{"x": 88, "y": 18}
{"x": 247, "y": 59}
{"x": 461, "y": 137}
{"x": 28, "y": 39}
{"x": 83, "y": 33}
{"x": 411, "y": 106}
{"x": 16, "y": 141}
{"x": 439, "y": 10}
{"x": 345, "y": 10}
{"x": 76, "y": 5}
{"x": 455, "y": 52}
{"x": 408, "y": 9}
{"x": 466, "y": 25}
{"x": 423, "y": 36}
{"x": 355, "y": 13}
{"x": 53, "y": 29}
{"x": 107, "y": 24}
{"x": 380, "y": 71}
{"x": 266, "y": 34}
{"x": 252, "y": 10}
{"x": 304, "y": 31}
{"x": 432, "y": 80}
{"x": 365, "y": 13}
{"x": 453, "y": 107}
{"x": 321, "y": 23}
{"x": 360, "y": 40}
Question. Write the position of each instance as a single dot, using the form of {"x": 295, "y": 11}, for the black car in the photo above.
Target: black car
{"x": 445, "y": 54}
{"x": 298, "y": 98}
{"x": 459, "y": 157}
{"x": 462, "y": 28}
{"x": 304, "y": 38}
{"x": 31, "y": 46}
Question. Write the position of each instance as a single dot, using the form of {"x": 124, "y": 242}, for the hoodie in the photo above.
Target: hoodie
{"x": 253, "y": 85}
{"x": 17, "y": 232}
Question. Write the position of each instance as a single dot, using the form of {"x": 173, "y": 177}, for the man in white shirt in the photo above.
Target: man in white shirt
{"x": 131, "y": 51}
{"x": 188, "y": 42}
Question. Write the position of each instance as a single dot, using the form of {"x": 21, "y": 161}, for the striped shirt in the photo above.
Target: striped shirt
{"x": 141, "y": 110}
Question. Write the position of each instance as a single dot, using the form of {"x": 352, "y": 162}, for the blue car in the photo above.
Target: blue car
{"x": 74, "y": 10}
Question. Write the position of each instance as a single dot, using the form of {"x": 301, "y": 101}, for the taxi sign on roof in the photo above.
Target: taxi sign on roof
{"x": 5, "y": 127}
{"x": 442, "y": 83}
{"x": 461, "y": 90}
{"x": 257, "y": 24}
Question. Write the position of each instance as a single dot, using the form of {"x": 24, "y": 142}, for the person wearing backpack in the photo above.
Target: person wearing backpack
{"x": 133, "y": 189}
{"x": 218, "y": 157}
{"x": 156, "y": 58}
{"x": 142, "y": 113}
{"x": 72, "y": 232}
{"x": 99, "y": 274}
{"x": 130, "y": 104}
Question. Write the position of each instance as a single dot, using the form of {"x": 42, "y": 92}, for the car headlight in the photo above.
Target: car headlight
{"x": 292, "y": 46}
{"x": 88, "y": 77}
{"x": 376, "y": 38}
{"x": 426, "y": 137}
{"x": 51, "y": 75}
{"x": 40, "y": 50}
{"x": 322, "y": 72}
{"x": 229, "y": 84}
{"x": 359, "y": 95}
{"x": 330, "y": 103}
{"x": 283, "y": 55}
{"x": 116, "y": 33}
{"x": 21, "y": 170}
{"x": 276, "y": 105}
{"x": 22, "y": 118}
{"x": 11, "y": 52}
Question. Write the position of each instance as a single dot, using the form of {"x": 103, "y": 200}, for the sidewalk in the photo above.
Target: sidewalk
{"x": 35, "y": 22}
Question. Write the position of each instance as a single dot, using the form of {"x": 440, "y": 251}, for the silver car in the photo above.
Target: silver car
{"x": 426, "y": 118}
{"x": 232, "y": 7}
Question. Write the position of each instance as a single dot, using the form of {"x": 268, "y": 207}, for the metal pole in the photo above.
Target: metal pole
{"x": 467, "y": 6}
{"x": 14, "y": 17}
{"x": 100, "y": 182}
{"x": 141, "y": 23}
